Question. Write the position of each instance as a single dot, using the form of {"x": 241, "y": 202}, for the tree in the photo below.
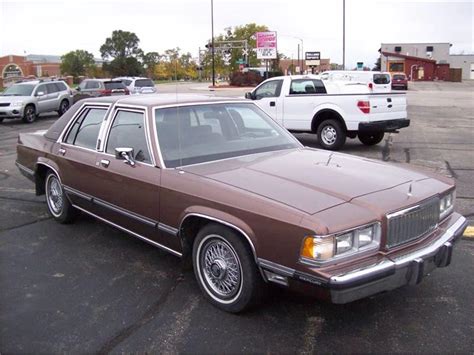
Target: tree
{"x": 150, "y": 61}
{"x": 378, "y": 65}
{"x": 77, "y": 63}
{"x": 122, "y": 47}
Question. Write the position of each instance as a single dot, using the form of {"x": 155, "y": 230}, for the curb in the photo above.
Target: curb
{"x": 469, "y": 232}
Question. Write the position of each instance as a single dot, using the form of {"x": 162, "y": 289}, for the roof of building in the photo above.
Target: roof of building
{"x": 399, "y": 55}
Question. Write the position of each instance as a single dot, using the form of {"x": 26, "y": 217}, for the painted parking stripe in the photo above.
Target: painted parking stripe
{"x": 469, "y": 232}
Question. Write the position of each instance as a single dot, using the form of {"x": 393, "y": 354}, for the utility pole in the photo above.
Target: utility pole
{"x": 299, "y": 58}
{"x": 212, "y": 45}
{"x": 343, "y": 34}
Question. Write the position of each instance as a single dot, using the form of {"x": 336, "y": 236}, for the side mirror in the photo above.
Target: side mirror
{"x": 78, "y": 88}
{"x": 125, "y": 154}
{"x": 250, "y": 96}
{"x": 40, "y": 93}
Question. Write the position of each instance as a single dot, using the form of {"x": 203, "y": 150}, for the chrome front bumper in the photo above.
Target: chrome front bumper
{"x": 389, "y": 274}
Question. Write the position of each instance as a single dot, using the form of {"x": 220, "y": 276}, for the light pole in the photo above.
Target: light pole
{"x": 212, "y": 45}
{"x": 343, "y": 34}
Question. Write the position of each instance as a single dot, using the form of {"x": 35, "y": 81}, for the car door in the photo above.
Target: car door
{"x": 41, "y": 94}
{"x": 131, "y": 193}
{"x": 266, "y": 97}
{"x": 53, "y": 96}
{"x": 77, "y": 155}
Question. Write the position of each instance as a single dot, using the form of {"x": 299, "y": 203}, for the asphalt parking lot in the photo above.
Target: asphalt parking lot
{"x": 87, "y": 287}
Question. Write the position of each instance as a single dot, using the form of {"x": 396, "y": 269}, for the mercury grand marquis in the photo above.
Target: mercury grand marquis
{"x": 216, "y": 181}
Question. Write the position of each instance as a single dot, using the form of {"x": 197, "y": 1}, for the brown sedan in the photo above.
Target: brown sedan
{"x": 217, "y": 181}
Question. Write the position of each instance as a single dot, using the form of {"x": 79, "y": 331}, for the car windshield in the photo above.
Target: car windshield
{"x": 202, "y": 133}
{"x": 19, "y": 90}
{"x": 399, "y": 77}
{"x": 381, "y": 79}
{"x": 140, "y": 83}
{"x": 112, "y": 85}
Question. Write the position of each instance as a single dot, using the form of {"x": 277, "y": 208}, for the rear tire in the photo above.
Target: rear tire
{"x": 225, "y": 269}
{"x": 1, "y": 119}
{"x": 58, "y": 204}
{"x": 331, "y": 134}
{"x": 29, "y": 116}
{"x": 371, "y": 138}
{"x": 63, "y": 107}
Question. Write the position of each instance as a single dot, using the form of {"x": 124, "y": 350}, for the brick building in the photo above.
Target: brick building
{"x": 14, "y": 67}
{"x": 287, "y": 64}
{"x": 416, "y": 68}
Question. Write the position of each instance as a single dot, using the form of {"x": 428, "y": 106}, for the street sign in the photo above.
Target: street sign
{"x": 313, "y": 58}
{"x": 360, "y": 65}
{"x": 266, "y": 45}
{"x": 240, "y": 61}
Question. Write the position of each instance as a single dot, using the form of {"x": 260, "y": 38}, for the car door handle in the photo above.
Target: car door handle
{"x": 105, "y": 163}
{"x": 272, "y": 103}
{"x": 62, "y": 151}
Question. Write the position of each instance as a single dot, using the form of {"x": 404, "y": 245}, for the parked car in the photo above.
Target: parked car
{"x": 138, "y": 85}
{"x": 334, "y": 110}
{"x": 100, "y": 87}
{"x": 377, "y": 82}
{"x": 218, "y": 182}
{"x": 28, "y": 99}
{"x": 399, "y": 81}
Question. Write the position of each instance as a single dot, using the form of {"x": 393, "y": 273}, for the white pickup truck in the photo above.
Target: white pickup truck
{"x": 332, "y": 110}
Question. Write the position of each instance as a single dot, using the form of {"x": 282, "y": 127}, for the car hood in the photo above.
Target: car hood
{"x": 12, "y": 99}
{"x": 307, "y": 179}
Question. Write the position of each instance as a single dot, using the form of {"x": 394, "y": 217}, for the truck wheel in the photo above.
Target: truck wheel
{"x": 371, "y": 138}
{"x": 225, "y": 269}
{"x": 331, "y": 135}
{"x": 59, "y": 206}
{"x": 29, "y": 116}
{"x": 1, "y": 119}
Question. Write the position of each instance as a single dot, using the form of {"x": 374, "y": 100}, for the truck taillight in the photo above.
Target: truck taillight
{"x": 364, "y": 106}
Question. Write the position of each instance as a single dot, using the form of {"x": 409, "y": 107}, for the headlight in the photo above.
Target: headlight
{"x": 16, "y": 104}
{"x": 446, "y": 204}
{"x": 322, "y": 249}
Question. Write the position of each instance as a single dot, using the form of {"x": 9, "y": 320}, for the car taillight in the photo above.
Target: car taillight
{"x": 371, "y": 86}
{"x": 127, "y": 92}
{"x": 105, "y": 92}
{"x": 364, "y": 106}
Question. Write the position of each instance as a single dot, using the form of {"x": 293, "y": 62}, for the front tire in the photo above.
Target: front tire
{"x": 331, "y": 135}
{"x": 371, "y": 138}
{"x": 225, "y": 269}
{"x": 29, "y": 116}
{"x": 59, "y": 206}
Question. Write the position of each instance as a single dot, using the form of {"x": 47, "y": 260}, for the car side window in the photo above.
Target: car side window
{"x": 41, "y": 88}
{"x": 269, "y": 89}
{"x": 85, "y": 130}
{"x": 60, "y": 86}
{"x": 128, "y": 131}
{"x": 307, "y": 87}
{"x": 92, "y": 85}
{"x": 83, "y": 84}
{"x": 52, "y": 88}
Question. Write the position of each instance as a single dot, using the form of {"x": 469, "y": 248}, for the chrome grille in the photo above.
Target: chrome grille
{"x": 412, "y": 223}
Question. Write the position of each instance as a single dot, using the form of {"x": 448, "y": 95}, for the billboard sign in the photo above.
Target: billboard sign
{"x": 266, "y": 45}
{"x": 312, "y": 58}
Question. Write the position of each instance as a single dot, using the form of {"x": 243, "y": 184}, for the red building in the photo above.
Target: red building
{"x": 14, "y": 67}
{"x": 416, "y": 68}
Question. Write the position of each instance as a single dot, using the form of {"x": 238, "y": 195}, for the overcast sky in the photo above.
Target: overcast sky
{"x": 58, "y": 26}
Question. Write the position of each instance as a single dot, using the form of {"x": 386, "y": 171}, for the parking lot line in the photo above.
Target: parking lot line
{"x": 469, "y": 232}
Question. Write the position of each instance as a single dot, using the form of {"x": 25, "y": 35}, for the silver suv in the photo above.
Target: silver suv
{"x": 138, "y": 85}
{"x": 27, "y": 100}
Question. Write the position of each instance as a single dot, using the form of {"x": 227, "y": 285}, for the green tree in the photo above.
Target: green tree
{"x": 122, "y": 48}
{"x": 150, "y": 61}
{"x": 377, "y": 65}
{"x": 77, "y": 63}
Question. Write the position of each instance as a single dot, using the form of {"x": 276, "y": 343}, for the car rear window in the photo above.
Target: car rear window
{"x": 381, "y": 79}
{"x": 399, "y": 77}
{"x": 112, "y": 85}
{"x": 140, "y": 83}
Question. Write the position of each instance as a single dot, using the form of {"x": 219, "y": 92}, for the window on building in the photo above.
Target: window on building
{"x": 396, "y": 67}
{"x": 398, "y": 48}
{"x": 429, "y": 48}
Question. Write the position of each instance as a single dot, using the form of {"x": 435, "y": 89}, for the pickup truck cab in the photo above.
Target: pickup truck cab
{"x": 334, "y": 110}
